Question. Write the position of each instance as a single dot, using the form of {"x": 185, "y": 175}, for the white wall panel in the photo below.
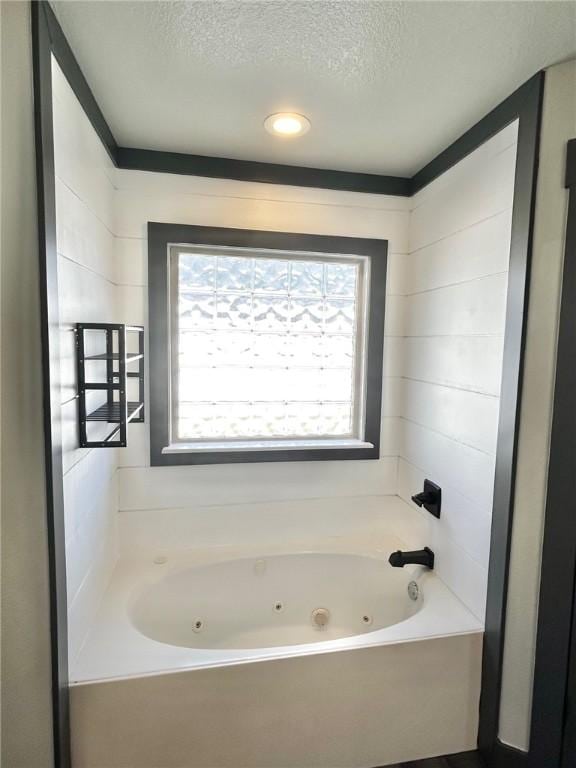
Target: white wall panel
{"x": 455, "y": 283}
{"x": 134, "y": 210}
{"x": 81, "y": 162}
{"x": 465, "y": 202}
{"x": 151, "y": 183}
{"x": 95, "y": 547}
{"x": 395, "y": 279}
{"x": 87, "y": 293}
{"x": 131, "y": 261}
{"x": 90, "y": 494}
{"x": 478, "y": 251}
{"x": 167, "y": 487}
{"x": 392, "y": 396}
{"x": 85, "y": 296}
{"x": 473, "y": 308}
{"x": 466, "y": 417}
{"x": 81, "y": 236}
{"x": 144, "y": 197}
{"x": 464, "y": 362}
{"x": 449, "y": 462}
{"x": 466, "y": 524}
{"x": 481, "y": 170}
{"x": 150, "y": 532}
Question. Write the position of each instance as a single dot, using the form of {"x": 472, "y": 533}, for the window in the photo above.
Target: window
{"x": 264, "y": 346}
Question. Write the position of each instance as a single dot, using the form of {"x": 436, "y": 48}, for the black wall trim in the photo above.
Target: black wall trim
{"x": 266, "y": 173}
{"x": 132, "y": 158}
{"x": 556, "y": 606}
{"x": 46, "y": 195}
{"x": 528, "y": 111}
{"x": 159, "y": 238}
{"x": 64, "y": 56}
{"x": 570, "y": 177}
{"x": 501, "y": 116}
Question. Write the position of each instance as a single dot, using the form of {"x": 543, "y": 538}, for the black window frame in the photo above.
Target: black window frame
{"x": 160, "y": 237}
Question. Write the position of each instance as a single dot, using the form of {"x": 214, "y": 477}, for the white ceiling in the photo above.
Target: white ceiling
{"x": 386, "y": 85}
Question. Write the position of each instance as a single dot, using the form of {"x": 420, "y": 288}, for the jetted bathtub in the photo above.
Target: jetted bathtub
{"x": 320, "y": 656}
{"x": 282, "y": 600}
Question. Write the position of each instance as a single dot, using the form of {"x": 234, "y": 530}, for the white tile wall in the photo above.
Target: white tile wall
{"x": 478, "y": 251}
{"x": 454, "y": 284}
{"x": 167, "y": 487}
{"x": 463, "y": 362}
{"x": 267, "y": 523}
{"x": 474, "y": 308}
{"x": 463, "y": 522}
{"x": 143, "y": 197}
{"x": 134, "y": 210}
{"x": 470, "y": 471}
{"x": 87, "y": 292}
{"x": 464, "y": 416}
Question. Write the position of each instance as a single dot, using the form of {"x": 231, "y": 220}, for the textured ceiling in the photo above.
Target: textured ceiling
{"x": 387, "y": 85}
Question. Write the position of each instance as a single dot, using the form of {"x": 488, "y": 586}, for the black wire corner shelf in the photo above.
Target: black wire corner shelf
{"x": 116, "y": 410}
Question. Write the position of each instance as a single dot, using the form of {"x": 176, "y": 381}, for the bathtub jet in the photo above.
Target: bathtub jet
{"x": 424, "y": 557}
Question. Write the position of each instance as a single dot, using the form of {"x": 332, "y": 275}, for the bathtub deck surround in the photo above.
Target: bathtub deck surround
{"x": 165, "y": 583}
{"x": 359, "y": 707}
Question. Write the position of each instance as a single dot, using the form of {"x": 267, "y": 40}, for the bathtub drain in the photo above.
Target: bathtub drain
{"x": 198, "y": 625}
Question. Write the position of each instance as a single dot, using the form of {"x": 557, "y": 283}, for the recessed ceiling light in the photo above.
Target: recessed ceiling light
{"x": 287, "y": 124}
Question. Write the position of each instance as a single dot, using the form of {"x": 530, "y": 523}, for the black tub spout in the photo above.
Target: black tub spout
{"x": 424, "y": 556}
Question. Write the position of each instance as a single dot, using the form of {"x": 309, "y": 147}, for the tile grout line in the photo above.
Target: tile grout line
{"x": 425, "y": 291}
{"x": 500, "y": 212}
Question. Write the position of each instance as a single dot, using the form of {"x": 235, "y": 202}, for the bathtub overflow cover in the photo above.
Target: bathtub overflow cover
{"x": 320, "y": 617}
{"x": 413, "y": 590}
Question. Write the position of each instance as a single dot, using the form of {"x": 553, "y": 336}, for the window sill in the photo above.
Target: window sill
{"x": 246, "y": 446}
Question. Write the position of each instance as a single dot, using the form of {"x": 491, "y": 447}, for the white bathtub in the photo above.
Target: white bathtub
{"x": 147, "y": 621}
{"x": 289, "y": 655}
{"x": 282, "y": 600}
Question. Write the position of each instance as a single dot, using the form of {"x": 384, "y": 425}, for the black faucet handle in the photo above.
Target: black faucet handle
{"x": 430, "y": 498}
{"x": 422, "y": 498}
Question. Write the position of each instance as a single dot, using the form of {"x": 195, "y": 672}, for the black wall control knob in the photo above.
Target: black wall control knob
{"x": 430, "y": 498}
